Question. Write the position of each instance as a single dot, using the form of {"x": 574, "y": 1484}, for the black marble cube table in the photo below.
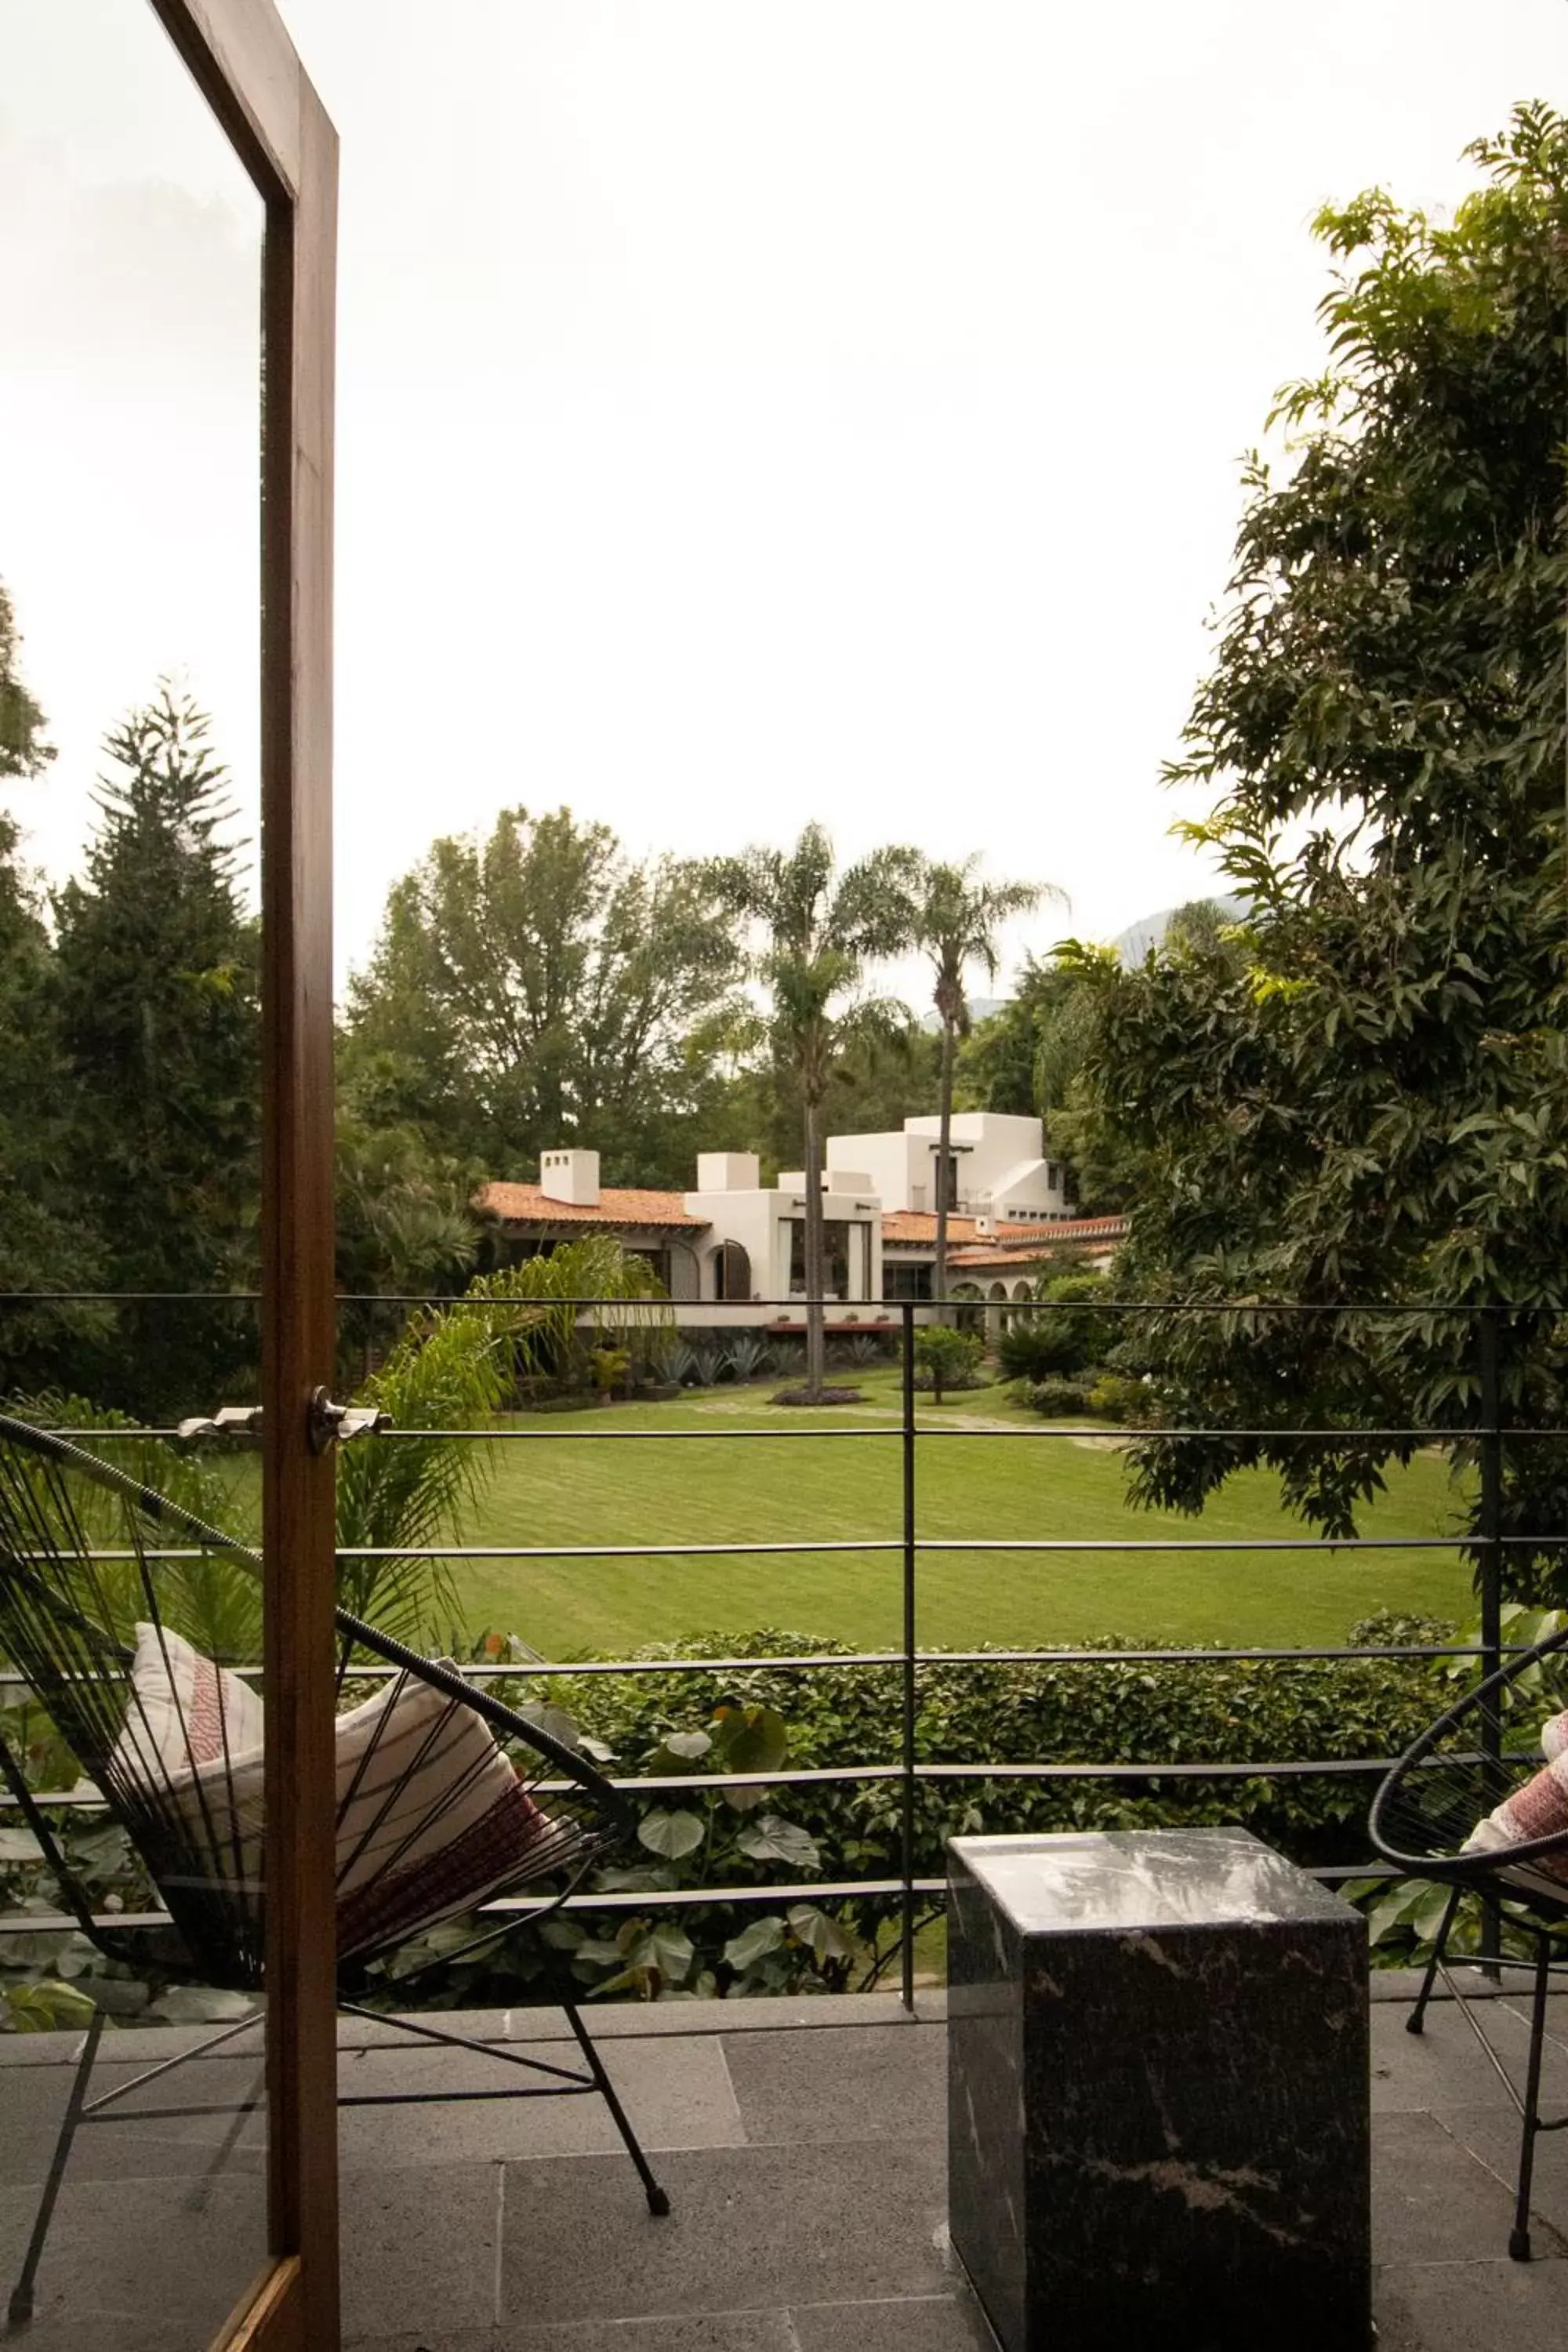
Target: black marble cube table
{"x": 1158, "y": 2094}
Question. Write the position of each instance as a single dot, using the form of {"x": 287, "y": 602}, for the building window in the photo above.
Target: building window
{"x": 731, "y": 1271}
{"x": 659, "y": 1259}
{"x": 836, "y": 1255}
{"x": 905, "y": 1281}
{"x": 1054, "y": 1175}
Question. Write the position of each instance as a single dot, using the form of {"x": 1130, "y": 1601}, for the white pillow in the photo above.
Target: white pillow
{"x": 431, "y": 1816}
{"x": 184, "y": 1712}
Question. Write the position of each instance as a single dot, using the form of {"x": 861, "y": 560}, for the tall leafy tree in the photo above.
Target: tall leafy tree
{"x": 404, "y": 1226}
{"x": 1363, "y": 1093}
{"x": 46, "y": 1242}
{"x": 23, "y": 750}
{"x": 958, "y": 917}
{"x": 886, "y": 1073}
{"x": 815, "y": 930}
{"x": 1031, "y": 1056}
{"x": 538, "y": 988}
{"x": 157, "y": 987}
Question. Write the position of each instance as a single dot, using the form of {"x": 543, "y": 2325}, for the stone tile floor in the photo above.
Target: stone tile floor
{"x": 803, "y": 2146}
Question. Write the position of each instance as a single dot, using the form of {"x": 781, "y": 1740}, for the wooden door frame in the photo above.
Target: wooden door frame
{"x": 245, "y": 67}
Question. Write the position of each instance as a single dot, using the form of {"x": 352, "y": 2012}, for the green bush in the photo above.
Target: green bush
{"x": 946, "y": 1358}
{"x": 1058, "y": 1397}
{"x": 1103, "y": 1709}
{"x": 1052, "y": 1338}
{"x": 1099, "y": 1709}
{"x": 1113, "y": 1396}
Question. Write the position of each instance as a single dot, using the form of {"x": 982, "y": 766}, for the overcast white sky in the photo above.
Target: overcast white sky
{"x": 746, "y": 412}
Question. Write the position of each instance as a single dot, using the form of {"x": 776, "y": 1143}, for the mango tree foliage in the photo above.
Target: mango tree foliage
{"x": 1361, "y": 1093}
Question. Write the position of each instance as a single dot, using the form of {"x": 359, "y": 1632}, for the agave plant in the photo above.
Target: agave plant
{"x": 751, "y": 1357}
{"x": 863, "y": 1350}
{"x": 699, "y": 1363}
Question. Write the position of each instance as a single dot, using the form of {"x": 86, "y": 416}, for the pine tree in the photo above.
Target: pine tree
{"x": 157, "y": 978}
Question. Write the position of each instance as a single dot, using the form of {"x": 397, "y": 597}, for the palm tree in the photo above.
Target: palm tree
{"x": 957, "y": 923}
{"x": 453, "y": 1367}
{"x": 819, "y": 927}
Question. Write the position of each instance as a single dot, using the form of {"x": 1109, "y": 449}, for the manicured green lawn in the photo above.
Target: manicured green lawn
{"x": 550, "y": 1488}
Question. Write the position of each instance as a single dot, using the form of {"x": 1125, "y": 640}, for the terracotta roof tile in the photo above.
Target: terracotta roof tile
{"x": 1005, "y": 1248}
{"x": 920, "y": 1225}
{"x": 529, "y": 1204}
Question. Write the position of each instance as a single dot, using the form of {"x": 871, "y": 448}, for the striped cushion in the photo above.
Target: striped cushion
{"x": 431, "y": 1817}
{"x": 184, "y": 1711}
{"x": 1537, "y": 1810}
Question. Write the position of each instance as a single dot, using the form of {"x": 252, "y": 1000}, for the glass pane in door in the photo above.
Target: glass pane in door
{"x": 130, "y": 1708}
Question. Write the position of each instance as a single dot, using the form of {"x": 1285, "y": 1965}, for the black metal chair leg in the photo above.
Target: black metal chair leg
{"x": 657, "y": 2197}
{"x": 20, "y": 2308}
{"x": 1519, "y": 2237}
{"x": 1416, "y": 2019}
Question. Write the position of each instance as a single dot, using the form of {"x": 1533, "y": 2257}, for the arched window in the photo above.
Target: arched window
{"x": 731, "y": 1271}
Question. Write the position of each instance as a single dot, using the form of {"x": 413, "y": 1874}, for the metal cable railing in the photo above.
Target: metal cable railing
{"x": 1487, "y": 1542}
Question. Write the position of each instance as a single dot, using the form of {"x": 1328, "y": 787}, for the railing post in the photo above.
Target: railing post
{"x": 907, "y": 1856}
{"x": 1491, "y": 1548}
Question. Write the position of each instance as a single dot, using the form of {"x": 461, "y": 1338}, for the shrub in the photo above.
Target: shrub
{"x": 1051, "y": 1339}
{"x": 1058, "y": 1397}
{"x": 1115, "y": 1398}
{"x": 1103, "y": 1709}
{"x": 610, "y": 1368}
{"x": 946, "y": 1358}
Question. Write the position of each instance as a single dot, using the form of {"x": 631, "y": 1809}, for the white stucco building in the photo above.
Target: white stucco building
{"x": 732, "y": 1250}
{"x": 997, "y": 1167}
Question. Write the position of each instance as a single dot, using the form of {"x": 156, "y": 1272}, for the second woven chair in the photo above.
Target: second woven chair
{"x": 1474, "y": 1807}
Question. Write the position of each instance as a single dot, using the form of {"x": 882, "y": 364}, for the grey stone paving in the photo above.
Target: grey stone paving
{"x": 802, "y": 2144}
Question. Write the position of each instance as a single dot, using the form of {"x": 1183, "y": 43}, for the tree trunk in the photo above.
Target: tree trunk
{"x": 943, "y": 1167}
{"x": 816, "y": 1271}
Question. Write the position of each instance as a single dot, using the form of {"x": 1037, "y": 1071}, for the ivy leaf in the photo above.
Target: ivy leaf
{"x": 820, "y": 1936}
{"x": 751, "y": 1739}
{"x": 201, "y": 2005}
{"x": 771, "y": 1838}
{"x": 554, "y": 1721}
{"x": 47, "y": 2007}
{"x": 680, "y": 1751}
{"x": 755, "y": 1943}
{"x": 634, "y": 1878}
{"x": 671, "y": 1834}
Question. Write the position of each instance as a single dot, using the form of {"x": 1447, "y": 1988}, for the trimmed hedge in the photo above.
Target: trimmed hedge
{"x": 1106, "y": 1710}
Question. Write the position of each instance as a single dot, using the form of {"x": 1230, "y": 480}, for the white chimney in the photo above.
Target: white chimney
{"x": 570, "y": 1176}
{"x": 984, "y": 1227}
{"x": 729, "y": 1172}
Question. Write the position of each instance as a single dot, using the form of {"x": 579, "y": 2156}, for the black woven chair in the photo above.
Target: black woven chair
{"x": 99, "y": 1572}
{"x": 1478, "y": 1756}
